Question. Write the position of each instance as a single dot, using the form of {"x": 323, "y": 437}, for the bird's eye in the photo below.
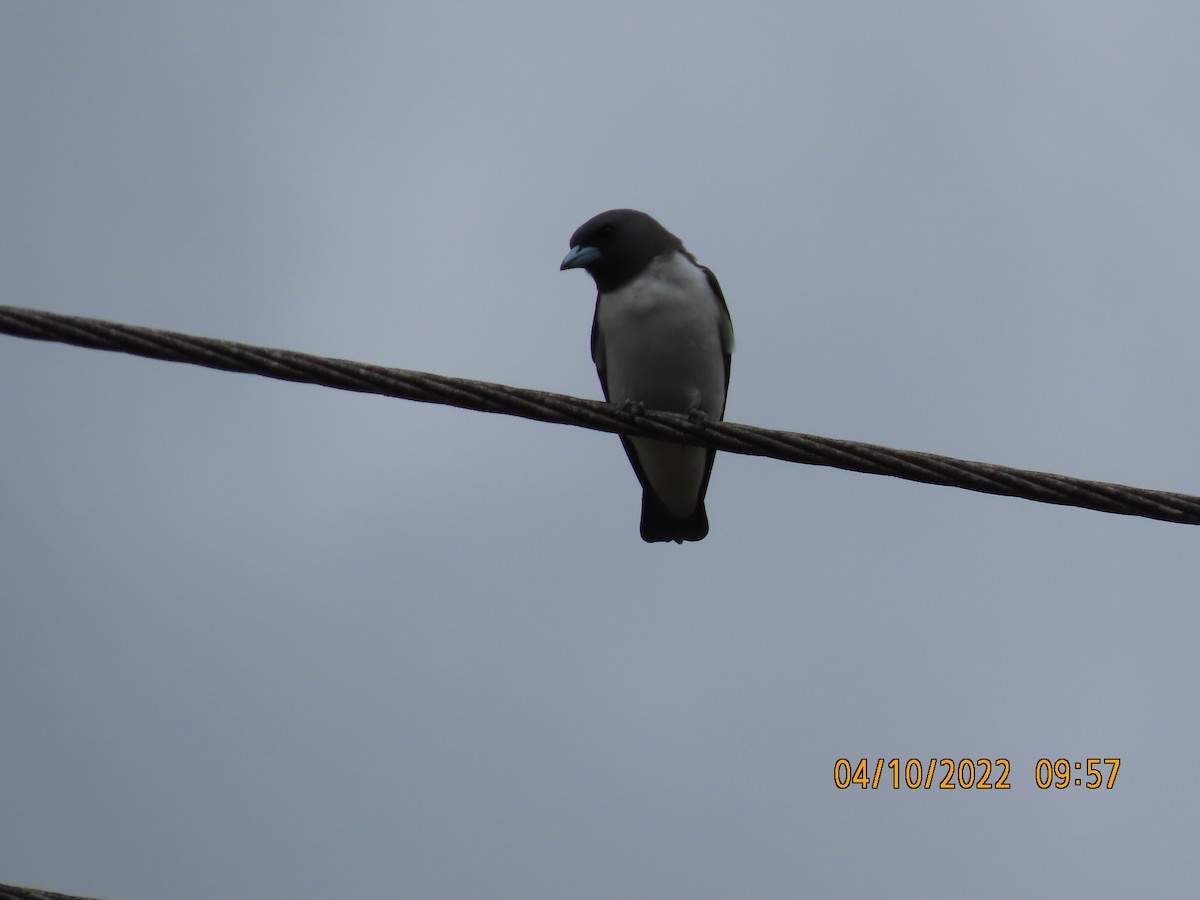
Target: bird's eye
{"x": 607, "y": 231}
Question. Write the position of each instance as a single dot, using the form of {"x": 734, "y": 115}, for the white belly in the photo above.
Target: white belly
{"x": 664, "y": 339}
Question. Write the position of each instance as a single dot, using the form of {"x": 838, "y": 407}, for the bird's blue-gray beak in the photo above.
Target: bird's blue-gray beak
{"x": 579, "y": 257}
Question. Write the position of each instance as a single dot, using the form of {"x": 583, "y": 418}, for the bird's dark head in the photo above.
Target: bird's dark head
{"x": 616, "y": 246}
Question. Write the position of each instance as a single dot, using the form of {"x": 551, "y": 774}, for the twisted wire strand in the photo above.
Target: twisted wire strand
{"x": 561, "y": 409}
{"x": 12, "y": 892}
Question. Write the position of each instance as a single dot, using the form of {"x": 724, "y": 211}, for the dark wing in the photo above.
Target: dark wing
{"x": 726, "y": 331}
{"x": 598, "y": 350}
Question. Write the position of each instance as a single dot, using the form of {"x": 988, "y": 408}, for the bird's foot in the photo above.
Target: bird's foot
{"x": 698, "y": 417}
{"x": 633, "y": 408}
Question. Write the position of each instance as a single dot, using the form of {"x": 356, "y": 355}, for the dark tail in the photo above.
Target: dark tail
{"x": 659, "y": 525}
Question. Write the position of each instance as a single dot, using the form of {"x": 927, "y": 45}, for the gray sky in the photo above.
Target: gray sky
{"x": 268, "y": 640}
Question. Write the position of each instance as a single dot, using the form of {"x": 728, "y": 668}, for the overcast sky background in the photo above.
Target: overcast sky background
{"x": 267, "y": 640}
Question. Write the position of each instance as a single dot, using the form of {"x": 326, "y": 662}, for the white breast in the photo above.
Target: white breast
{"x": 664, "y": 337}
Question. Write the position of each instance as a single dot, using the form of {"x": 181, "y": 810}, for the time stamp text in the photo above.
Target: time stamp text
{"x": 973, "y": 774}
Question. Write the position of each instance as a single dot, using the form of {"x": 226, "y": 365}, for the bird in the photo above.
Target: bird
{"x": 662, "y": 339}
